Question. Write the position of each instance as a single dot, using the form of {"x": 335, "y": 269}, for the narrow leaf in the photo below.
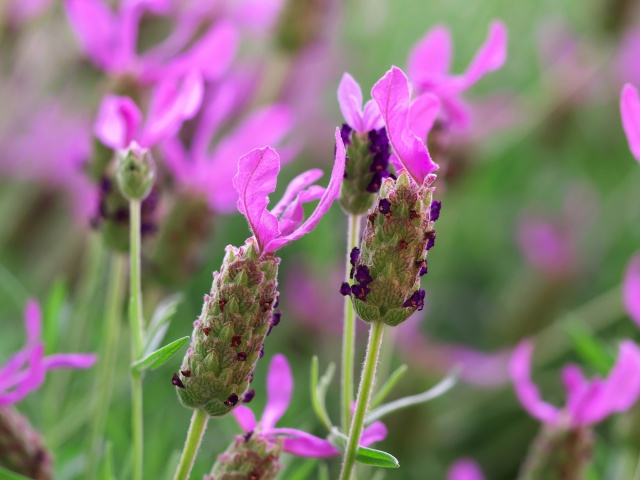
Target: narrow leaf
{"x": 323, "y": 472}
{"x": 439, "y": 389}
{"x": 53, "y": 314}
{"x": 319, "y": 391}
{"x": 9, "y": 475}
{"x": 159, "y": 357}
{"x": 160, "y": 320}
{"x": 106, "y": 469}
{"x": 301, "y": 471}
{"x": 365, "y": 455}
{"x": 588, "y": 347}
{"x": 379, "y": 397}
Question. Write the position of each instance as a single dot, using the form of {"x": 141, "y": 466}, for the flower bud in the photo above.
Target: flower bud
{"x": 21, "y": 447}
{"x": 367, "y": 165}
{"x": 135, "y": 172}
{"x": 228, "y": 338}
{"x": 249, "y": 456}
{"x": 392, "y": 258}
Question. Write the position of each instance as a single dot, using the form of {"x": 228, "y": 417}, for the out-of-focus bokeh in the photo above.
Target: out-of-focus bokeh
{"x": 540, "y": 216}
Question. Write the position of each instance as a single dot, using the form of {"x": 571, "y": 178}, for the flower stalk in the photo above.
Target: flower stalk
{"x": 198, "y": 425}
{"x": 364, "y": 396}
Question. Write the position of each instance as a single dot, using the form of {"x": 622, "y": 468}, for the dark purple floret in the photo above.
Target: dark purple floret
{"x": 275, "y": 305}
{"x": 275, "y": 318}
{"x": 375, "y": 183}
{"x": 345, "y": 133}
{"x": 431, "y": 240}
{"x": 354, "y": 256}
{"x": 384, "y": 206}
{"x": 363, "y": 275}
{"x": 434, "y": 212}
{"x": 248, "y": 395}
{"x": 424, "y": 269}
{"x": 360, "y": 292}
{"x": 175, "y": 380}
{"x": 380, "y": 163}
{"x": 105, "y": 185}
{"x": 262, "y": 351}
{"x": 379, "y": 142}
{"x": 416, "y": 300}
{"x": 345, "y": 289}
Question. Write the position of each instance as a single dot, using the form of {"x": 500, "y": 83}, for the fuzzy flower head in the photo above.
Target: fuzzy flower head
{"x": 588, "y": 401}
{"x": 631, "y": 289}
{"x": 296, "y": 442}
{"x": 407, "y": 124}
{"x": 256, "y": 179}
{"x": 630, "y": 111}
{"x": 430, "y": 64}
{"x": 24, "y": 371}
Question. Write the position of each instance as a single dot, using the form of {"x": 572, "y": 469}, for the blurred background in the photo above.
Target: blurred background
{"x": 539, "y": 220}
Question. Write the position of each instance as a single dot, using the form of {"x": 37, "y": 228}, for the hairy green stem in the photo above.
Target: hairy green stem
{"x": 349, "y": 331}
{"x": 107, "y": 359}
{"x": 137, "y": 336}
{"x": 367, "y": 381}
{"x": 192, "y": 444}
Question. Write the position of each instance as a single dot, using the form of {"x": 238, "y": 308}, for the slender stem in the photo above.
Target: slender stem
{"x": 192, "y": 444}
{"x": 107, "y": 359}
{"x": 137, "y": 335}
{"x": 349, "y": 334}
{"x": 364, "y": 396}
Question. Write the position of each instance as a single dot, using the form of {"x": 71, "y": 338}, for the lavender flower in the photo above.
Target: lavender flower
{"x": 24, "y": 371}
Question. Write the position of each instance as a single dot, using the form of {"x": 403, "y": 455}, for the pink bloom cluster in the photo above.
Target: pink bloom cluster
{"x": 25, "y": 370}
{"x": 297, "y": 442}
{"x": 588, "y": 401}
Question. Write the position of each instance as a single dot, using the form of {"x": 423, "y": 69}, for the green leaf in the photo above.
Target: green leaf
{"x": 439, "y": 389}
{"x": 588, "y": 347}
{"x": 301, "y": 471}
{"x": 365, "y": 455}
{"x": 323, "y": 472}
{"x": 379, "y": 397}
{"x": 9, "y": 475}
{"x": 106, "y": 468}
{"x": 319, "y": 391}
{"x": 52, "y": 314}
{"x": 159, "y": 357}
{"x": 160, "y": 320}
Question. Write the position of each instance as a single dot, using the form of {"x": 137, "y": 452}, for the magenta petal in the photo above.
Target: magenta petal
{"x": 30, "y": 381}
{"x": 431, "y": 57}
{"x": 33, "y": 322}
{"x": 371, "y": 118}
{"x": 375, "y": 432}
{"x": 294, "y": 214}
{"x": 245, "y": 418}
{"x": 630, "y": 111}
{"x": 526, "y": 390}
{"x": 465, "y": 469}
{"x": 631, "y": 288}
{"x": 255, "y": 180}
{"x": 295, "y": 186}
{"x": 391, "y": 93}
{"x": 332, "y": 192}
{"x": 350, "y": 100}
{"x": 117, "y": 121}
{"x": 10, "y": 372}
{"x": 279, "y": 390}
{"x": 69, "y": 360}
{"x": 304, "y": 444}
{"x": 423, "y": 113}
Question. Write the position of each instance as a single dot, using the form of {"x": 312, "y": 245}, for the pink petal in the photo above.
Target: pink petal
{"x": 431, "y": 57}
{"x": 391, "y": 93}
{"x": 332, "y": 192}
{"x": 465, "y": 469}
{"x": 245, "y": 418}
{"x": 630, "y": 111}
{"x": 174, "y": 101}
{"x": 258, "y": 15}
{"x": 267, "y": 126}
{"x": 295, "y": 186}
{"x": 490, "y": 57}
{"x": 526, "y": 390}
{"x": 69, "y": 360}
{"x": 350, "y": 100}
{"x": 423, "y": 113}
{"x": 33, "y": 322}
{"x": 631, "y": 288}
{"x": 375, "y": 432}
{"x": 304, "y": 444}
{"x": 371, "y": 118}
{"x": 10, "y": 372}
{"x": 117, "y": 122}
{"x": 255, "y": 180}
{"x": 30, "y": 381}
{"x": 279, "y": 390}
{"x": 294, "y": 214}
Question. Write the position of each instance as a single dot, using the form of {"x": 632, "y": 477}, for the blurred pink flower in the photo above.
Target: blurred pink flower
{"x": 627, "y": 59}
{"x": 631, "y": 289}
{"x": 296, "y": 442}
{"x": 18, "y": 12}
{"x": 465, "y": 469}
{"x": 588, "y": 402}
{"x": 429, "y": 69}
{"x": 24, "y": 371}
{"x": 630, "y": 111}
{"x": 256, "y": 179}
{"x": 546, "y": 245}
